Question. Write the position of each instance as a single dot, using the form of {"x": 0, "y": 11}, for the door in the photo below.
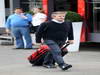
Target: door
{"x": 93, "y": 21}
{"x": 96, "y": 17}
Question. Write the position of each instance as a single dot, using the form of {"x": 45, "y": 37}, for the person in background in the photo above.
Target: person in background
{"x": 55, "y": 35}
{"x": 38, "y": 17}
{"x": 18, "y": 24}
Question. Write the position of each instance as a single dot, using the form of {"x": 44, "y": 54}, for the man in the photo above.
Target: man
{"x": 55, "y": 34}
{"x": 18, "y": 24}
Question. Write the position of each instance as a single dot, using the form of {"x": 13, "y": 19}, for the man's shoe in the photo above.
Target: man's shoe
{"x": 65, "y": 66}
{"x": 28, "y": 48}
{"x": 18, "y": 48}
{"x": 49, "y": 66}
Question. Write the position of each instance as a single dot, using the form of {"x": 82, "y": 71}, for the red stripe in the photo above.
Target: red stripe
{"x": 45, "y": 6}
{"x": 81, "y": 11}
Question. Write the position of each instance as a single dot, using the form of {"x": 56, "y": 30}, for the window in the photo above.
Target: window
{"x": 93, "y": 16}
{"x": 65, "y": 5}
{"x": 7, "y": 4}
{"x": 29, "y": 4}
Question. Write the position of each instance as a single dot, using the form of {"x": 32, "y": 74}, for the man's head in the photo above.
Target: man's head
{"x": 18, "y": 10}
{"x": 59, "y": 15}
{"x": 38, "y": 10}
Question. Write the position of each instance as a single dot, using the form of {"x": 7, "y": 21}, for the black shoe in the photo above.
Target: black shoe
{"x": 65, "y": 66}
{"x": 28, "y": 48}
{"x": 18, "y": 48}
{"x": 49, "y": 66}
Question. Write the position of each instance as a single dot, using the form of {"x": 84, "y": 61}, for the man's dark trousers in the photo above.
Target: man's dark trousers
{"x": 54, "y": 53}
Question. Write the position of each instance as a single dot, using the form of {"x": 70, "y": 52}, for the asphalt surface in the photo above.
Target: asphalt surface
{"x": 84, "y": 62}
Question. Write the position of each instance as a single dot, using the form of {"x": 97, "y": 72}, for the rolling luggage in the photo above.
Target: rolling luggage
{"x": 37, "y": 58}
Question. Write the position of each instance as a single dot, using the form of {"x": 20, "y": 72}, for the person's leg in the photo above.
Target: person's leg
{"x": 18, "y": 37}
{"x": 35, "y": 28}
{"x": 48, "y": 59}
{"x": 63, "y": 52}
{"x": 27, "y": 37}
{"x": 56, "y": 53}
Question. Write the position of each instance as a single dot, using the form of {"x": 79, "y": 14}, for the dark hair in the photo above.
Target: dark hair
{"x": 19, "y": 8}
{"x": 58, "y": 12}
{"x": 41, "y": 10}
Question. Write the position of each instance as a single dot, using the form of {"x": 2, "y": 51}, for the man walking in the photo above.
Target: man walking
{"x": 55, "y": 34}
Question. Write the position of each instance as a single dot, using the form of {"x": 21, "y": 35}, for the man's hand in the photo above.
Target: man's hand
{"x": 70, "y": 41}
{"x": 23, "y": 16}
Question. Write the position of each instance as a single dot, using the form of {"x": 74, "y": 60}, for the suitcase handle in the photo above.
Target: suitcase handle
{"x": 66, "y": 44}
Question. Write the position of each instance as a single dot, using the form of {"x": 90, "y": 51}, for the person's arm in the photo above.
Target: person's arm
{"x": 70, "y": 34}
{"x": 8, "y": 25}
{"x": 27, "y": 17}
{"x": 43, "y": 17}
{"x": 40, "y": 32}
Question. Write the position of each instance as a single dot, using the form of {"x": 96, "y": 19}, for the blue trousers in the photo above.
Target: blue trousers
{"x": 20, "y": 33}
{"x": 54, "y": 53}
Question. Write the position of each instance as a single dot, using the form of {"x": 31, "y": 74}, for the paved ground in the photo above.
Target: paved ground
{"x": 85, "y": 62}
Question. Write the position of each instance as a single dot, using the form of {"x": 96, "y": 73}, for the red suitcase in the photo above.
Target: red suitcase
{"x": 37, "y": 57}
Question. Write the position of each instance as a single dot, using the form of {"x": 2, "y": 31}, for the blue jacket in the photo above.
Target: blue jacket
{"x": 15, "y": 20}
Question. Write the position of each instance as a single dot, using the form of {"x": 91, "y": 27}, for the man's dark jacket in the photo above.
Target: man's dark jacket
{"x": 51, "y": 30}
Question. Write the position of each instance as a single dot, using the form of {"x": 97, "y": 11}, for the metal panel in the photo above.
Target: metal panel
{"x": 94, "y": 37}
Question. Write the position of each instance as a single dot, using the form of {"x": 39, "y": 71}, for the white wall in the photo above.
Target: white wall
{"x": 2, "y": 13}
